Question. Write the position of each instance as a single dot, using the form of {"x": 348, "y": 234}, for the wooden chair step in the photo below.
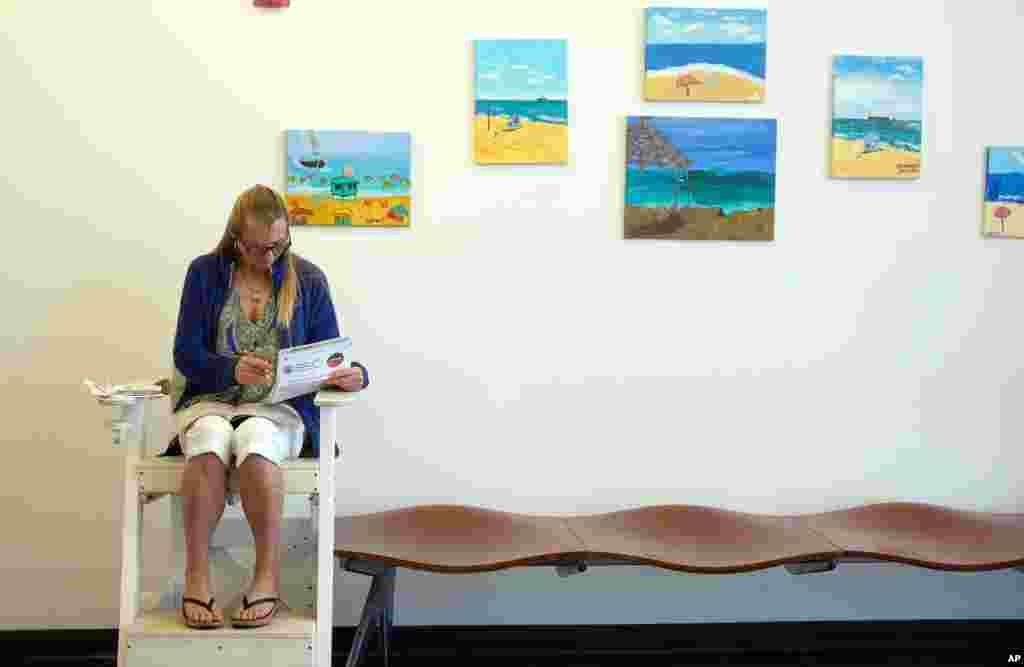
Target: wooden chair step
{"x": 161, "y": 638}
{"x": 163, "y": 475}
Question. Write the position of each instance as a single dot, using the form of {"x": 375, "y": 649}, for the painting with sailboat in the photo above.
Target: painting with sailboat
{"x": 521, "y": 109}
{"x": 876, "y": 117}
{"x": 1004, "y": 192}
{"x": 349, "y": 178}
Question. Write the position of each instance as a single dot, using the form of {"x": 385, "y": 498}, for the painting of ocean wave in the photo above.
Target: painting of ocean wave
{"x": 700, "y": 178}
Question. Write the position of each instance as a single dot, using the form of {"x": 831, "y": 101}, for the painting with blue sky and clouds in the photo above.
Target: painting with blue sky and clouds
{"x": 1004, "y": 191}
{"x": 521, "y": 101}
{"x": 705, "y": 55}
{"x": 876, "y": 116}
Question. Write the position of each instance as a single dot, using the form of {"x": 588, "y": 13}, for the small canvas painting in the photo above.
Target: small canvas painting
{"x": 349, "y": 178}
{"x": 522, "y": 102}
{"x": 876, "y": 117}
{"x": 705, "y": 55}
{"x": 700, "y": 178}
{"x": 1004, "y": 192}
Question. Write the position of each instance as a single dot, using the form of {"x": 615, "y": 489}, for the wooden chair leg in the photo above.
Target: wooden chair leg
{"x": 176, "y": 589}
{"x": 131, "y": 556}
{"x": 326, "y": 512}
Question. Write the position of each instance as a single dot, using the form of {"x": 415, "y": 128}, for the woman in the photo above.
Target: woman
{"x": 241, "y": 303}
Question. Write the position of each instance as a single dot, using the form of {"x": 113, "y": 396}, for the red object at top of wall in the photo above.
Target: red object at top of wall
{"x": 271, "y": 4}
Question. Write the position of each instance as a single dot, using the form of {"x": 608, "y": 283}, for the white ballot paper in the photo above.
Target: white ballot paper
{"x": 134, "y": 390}
{"x": 304, "y": 369}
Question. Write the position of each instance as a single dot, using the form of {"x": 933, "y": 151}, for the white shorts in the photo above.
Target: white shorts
{"x": 256, "y": 435}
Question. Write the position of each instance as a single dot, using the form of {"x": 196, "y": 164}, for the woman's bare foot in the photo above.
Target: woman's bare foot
{"x": 198, "y": 588}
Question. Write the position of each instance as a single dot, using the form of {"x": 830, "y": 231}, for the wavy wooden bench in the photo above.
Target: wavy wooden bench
{"x": 686, "y": 538}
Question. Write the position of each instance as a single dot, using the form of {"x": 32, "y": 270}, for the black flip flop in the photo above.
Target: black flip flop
{"x": 259, "y": 621}
{"x": 200, "y": 625}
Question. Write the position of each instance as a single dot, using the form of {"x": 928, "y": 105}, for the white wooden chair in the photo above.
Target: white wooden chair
{"x": 150, "y": 631}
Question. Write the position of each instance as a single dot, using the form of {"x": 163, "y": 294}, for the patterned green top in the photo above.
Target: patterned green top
{"x": 237, "y": 335}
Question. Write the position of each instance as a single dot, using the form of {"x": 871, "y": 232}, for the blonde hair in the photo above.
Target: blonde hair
{"x": 262, "y": 204}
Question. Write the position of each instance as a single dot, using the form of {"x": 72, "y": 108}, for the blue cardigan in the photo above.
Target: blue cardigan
{"x": 207, "y": 287}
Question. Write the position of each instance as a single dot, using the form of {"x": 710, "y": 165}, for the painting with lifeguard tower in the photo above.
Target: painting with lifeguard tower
{"x": 349, "y": 178}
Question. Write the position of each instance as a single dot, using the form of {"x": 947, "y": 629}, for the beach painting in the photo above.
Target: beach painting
{"x": 1004, "y": 192}
{"x": 700, "y": 178}
{"x": 876, "y": 117}
{"x": 705, "y": 55}
{"x": 521, "y": 101}
{"x": 349, "y": 178}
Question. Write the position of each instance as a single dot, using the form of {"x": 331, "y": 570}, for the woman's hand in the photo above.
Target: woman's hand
{"x": 253, "y": 370}
{"x": 346, "y": 379}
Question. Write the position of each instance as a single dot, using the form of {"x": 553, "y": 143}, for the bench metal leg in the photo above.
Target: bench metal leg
{"x": 810, "y": 567}
{"x": 386, "y": 615}
{"x": 569, "y": 569}
{"x": 378, "y": 611}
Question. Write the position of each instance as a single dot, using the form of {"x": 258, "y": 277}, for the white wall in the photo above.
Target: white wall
{"x": 524, "y": 356}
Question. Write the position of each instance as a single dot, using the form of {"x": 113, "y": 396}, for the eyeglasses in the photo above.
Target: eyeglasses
{"x": 277, "y": 248}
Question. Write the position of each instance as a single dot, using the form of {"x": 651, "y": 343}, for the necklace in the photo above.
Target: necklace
{"x": 256, "y": 293}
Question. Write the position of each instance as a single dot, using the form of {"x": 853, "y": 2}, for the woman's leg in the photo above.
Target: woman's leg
{"x": 206, "y": 445}
{"x": 259, "y": 448}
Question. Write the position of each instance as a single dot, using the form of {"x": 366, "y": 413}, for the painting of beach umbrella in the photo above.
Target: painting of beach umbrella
{"x": 1001, "y": 214}
{"x": 700, "y": 178}
{"x": 687, "y": 79}
{"x": 649, "y": 147}
{"x": 521, "y": 101}
{"x": 1004, "y": 192}
{"x": 705, "y": 55}
{"x": 876, "y": 117}
{"x": 349, "y": 178}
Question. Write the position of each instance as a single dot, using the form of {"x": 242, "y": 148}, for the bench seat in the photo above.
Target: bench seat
{"x": 459, "y": 538}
